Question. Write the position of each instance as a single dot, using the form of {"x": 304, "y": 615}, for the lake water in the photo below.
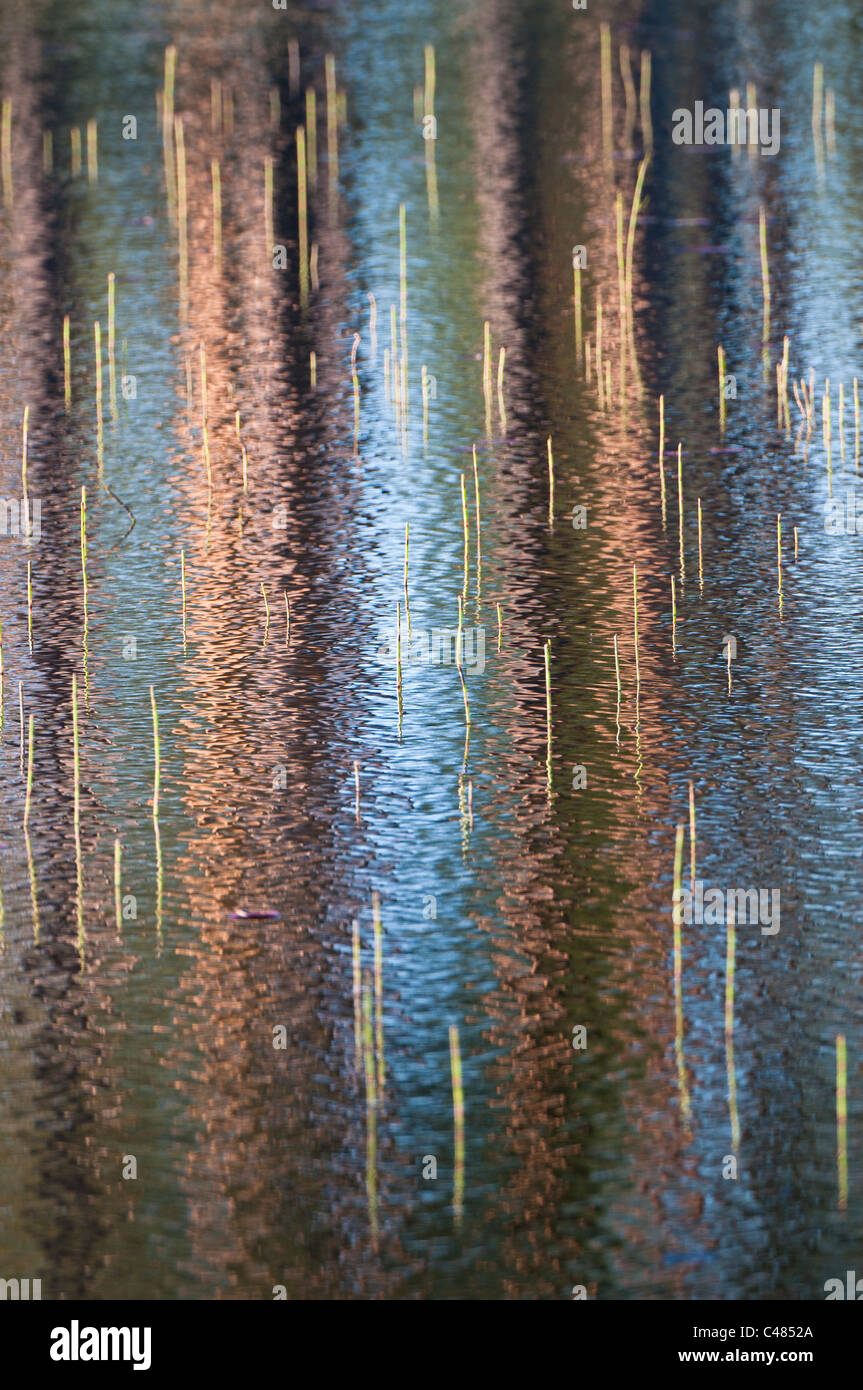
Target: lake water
{"x": 199, "y": 1103}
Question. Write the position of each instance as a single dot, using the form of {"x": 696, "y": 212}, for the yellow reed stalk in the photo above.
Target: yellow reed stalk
{"x": 547, "y": 655}
{"x": 458, "y": 647}
{"x": 842, "y": 1120}
{"x": 29, "y": 773}
{"x": 118, "y": 896}
{"x": 680, "y": 504}
{"x": 312, "y": 134}
{"x": 379, "y": 990}
{"x": 730, "y": 951}
{"x": 6, "y": 152}
{"x": 644, "y": 102}
{"x": 478, "y": 525}
{"x": 75, "y": 150}
{"x": 157, "y": 757}
{"x": 92, "y": 152}
{"x": 183, "y": 587}
{"x": 182, "y": 212}
{"x": 465, "y": 532}
{"x": 67, "y": 365}
{"x": 332, "y": 132}
{"x": 266, "y": 612}
{"x": 458, "y": 1120}
{"x": 700, "y": 555}
{"x": 357, "y": 989}
{"x": 765, "y": 272}
{"x": 635, "y": 637}
{"x": 303, "y": 217}
{"x": 355, "y": 382}
{"x": 407, "y": 599}
{"x": 216, "y": 184}
{"x": 205, "y": 417}
{"x": 605, "y": 82}
{"x": 501, "y": 407}
{"x": 550, "y": 483}
{"x": 576, "y": 301}
{"x": 662, "y": 455}
{"x": 25, "y": 432}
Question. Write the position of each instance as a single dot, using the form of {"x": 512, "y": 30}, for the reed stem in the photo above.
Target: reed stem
{"x": 357, "y": 990}
{"x": 662, "y": 455}
{"x": 100, "y": 435}
{"x": 644, "y": 102}
{"x": 76, "y": 814}
{"x": 465, "y": 532}
{"x": 605, "y": 82}
{"x": 680, "y": 505}
{"x": 6, "y": 152}
{"x": 842, "y": 1120}
{"x": 765, "y": 272}
{"x": 303, "y": 217}
{"x": 547, "y": 654}
{"x": 183, "y": 588}
{"x": 501, "y": 405}
{"x": 182, "y": 214}
{"x": 118, "y": 897}
{"x": 25, "y": 431}
{"x": 550, "y": 484}
{"x": 635, "y": 637}
{"x": 266, "y": 613}
{"x": 692, "y": 836}
{"x": 458, "y": 1119}
{"x": 29, "y": 772}
{"x": 112, "y": 335}
{"x": 216, "y": 181}
{"x": 67, "y": 365}
{"x": 355, "y": 381}
{"x": 700, "y": 555}
{"x": 205, "y": 418}
{"x": 478, "y": 527}
{"x": 157, "y": 757}
{"x": 84, "y": 555}
{"x": 407, "y": 599}
{"x": 379, "y": 991}
{"x": 458, "y": 647}
{"x": 399, "y": 663}
{"x": 332, "y": 133}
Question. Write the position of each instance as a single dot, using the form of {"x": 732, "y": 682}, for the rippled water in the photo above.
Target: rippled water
{"x": 517, "y": 904}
